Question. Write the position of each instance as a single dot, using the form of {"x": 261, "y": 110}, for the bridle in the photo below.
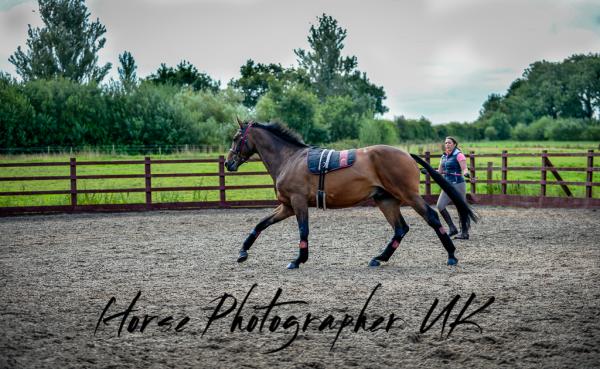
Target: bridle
{"x": 238, "y": 150}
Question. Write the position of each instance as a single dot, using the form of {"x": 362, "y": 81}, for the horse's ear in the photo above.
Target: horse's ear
{"x": 241, "y": 124}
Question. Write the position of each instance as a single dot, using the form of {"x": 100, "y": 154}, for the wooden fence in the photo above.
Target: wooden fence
{"x": 488, "y": 198}
{"x": 568, "y": 200}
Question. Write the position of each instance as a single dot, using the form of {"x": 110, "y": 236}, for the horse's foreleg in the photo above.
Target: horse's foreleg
{"x": 301, "y": 210}
{"x": 390, "y": 207}
{"x": 434, "y": 222}
{"x": 280, "y": 213}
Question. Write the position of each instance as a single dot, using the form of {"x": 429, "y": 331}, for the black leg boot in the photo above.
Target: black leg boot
{"x": 462, "y": 236}
{"x": 451, "y": 228}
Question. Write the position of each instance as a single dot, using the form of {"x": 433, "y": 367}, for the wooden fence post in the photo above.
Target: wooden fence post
{"x": 148, "y": 177}
{"x": 490, "y": 168}
{"x": 590, "y": 174}
{"x": 73, "y": 166}
{"x": 473, "y": 180}
{"x": 222, "y": 197}
{"x": 427, "y": 176}
{"x": 504, "y": 170}
{"x": 544, "y": 176}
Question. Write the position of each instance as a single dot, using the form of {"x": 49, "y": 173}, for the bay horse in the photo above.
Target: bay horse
{"x": 383, "y": 173}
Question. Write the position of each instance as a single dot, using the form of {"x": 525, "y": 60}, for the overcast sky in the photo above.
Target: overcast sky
{"x": 436, "y": 58}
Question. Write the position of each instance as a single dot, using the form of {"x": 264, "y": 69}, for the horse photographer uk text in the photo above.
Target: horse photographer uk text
{"x": 266, "y": 318}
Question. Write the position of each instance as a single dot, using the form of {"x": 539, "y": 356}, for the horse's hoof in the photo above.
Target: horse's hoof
{"x": 243, "y": 256}
{"x": 374, "y": 263}
{"x": 293, "y": 265}
{"x": 452, "y": 261}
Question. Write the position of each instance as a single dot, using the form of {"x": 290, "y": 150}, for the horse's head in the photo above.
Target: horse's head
{"x": 241, "y": 149}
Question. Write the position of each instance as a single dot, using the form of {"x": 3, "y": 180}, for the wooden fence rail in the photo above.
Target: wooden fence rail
{"x": 488, "y": 197}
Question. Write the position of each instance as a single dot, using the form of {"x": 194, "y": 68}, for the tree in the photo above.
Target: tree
{"x": 412, "y": 129}
{"x": 295, "y": 106}
{"x": 501, "y": 127}
{"x": 584, "y": 81}
{"x": 127, "y": 74}
{"x": 185, "y": 74}
{"x": 324, "y": 63}
{"x": 545, "y": 90}
{"x": 330, "y": 73}
{"x": 16, "y": 114}
{"x": 337, "y": 114}
{"x": 368, "y": 96}
{"x": 67, "y": 46}
{"x": 256, "y": 79}
{"x": 493, "y": 103}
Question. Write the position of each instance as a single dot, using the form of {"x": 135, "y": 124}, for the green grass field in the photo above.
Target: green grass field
{"x": 263, "y": 194}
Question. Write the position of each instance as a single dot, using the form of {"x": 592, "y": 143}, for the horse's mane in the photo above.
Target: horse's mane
{"x": 283, "y": 132}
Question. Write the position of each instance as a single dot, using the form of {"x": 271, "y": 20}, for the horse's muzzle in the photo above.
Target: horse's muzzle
{"x": 231, "y": 166}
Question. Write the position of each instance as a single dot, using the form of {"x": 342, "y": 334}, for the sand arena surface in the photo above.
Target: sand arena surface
{"x": 57, "y": 274}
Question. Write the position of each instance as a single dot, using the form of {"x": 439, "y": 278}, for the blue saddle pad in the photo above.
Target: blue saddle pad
{"x": 337, "y": 159}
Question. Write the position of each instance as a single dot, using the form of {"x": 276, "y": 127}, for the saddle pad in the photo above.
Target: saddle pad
{"x": 337, "y": 160}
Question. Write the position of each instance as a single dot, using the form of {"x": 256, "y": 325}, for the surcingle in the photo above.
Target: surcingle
{"x": 322, "y": 161}
{"x": 329, "y": 160}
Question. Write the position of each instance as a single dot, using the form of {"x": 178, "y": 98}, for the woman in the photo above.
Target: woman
{"x": 454, "y": 168}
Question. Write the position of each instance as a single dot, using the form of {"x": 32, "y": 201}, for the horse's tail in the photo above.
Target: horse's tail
{"x": 465, "y": 212}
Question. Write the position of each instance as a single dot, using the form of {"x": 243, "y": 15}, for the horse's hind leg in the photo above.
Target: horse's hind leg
{"x": 280, "y": 213}
{"x": 390, "y": 207}
{"x": 432, "y": 218}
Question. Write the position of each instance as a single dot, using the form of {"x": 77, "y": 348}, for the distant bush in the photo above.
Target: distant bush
{"x": 568, "y": 129}
{"x": 16, "y": 114}
{"x": 536, "y": 129}
{"x": 339, "y": 116}
{"x": 295, "y": 106}
{"x": 520, "y": 132}
{"x": 61, "y": 112}
{"x": 377, "y": 131}
{"x": 592, "y": 132}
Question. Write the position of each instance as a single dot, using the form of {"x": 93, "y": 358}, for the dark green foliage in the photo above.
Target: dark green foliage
{"x": 568, "y": 89}
{"x": 67, "y": 113}
{"x": 412, "y": 130}
{"x": 497, "y": 127}
{"x": 584, "y": 80}
{"x": 591, "y": 131}
{"x": 256, "y": 79}
{"x": 185, "y": 75}
{"x": 339, "y": 116}
{"x": 127, "y": 74}
{"x": 66, "y": 47}
{"x": 331, "y": 74}
{"x": 295, "y": 106}
{"x": 14, "y": 110}
{"x": 367, "y": 96}
{"x": 324, "y": 63}
{"x": 377, "y": 131}
{"x": 463, "y": 131}
{"x": 344, "y": 94}
{"x": 60, "y": 112}
{"x": 568, "y": 129}
{"x": 520, "y": 132}
{"x": 536, "y": 129}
